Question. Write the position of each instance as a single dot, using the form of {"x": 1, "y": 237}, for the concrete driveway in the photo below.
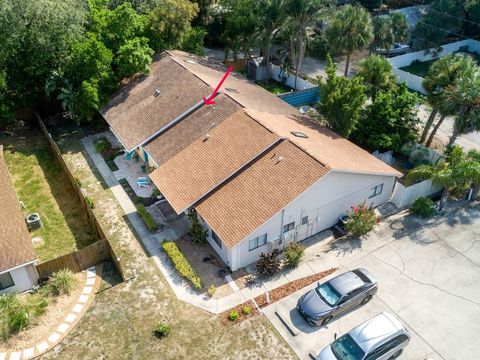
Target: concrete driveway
{"x": 428, "y": 274}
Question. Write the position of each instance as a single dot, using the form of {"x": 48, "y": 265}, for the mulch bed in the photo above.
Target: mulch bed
{"x": 275, "y": 295}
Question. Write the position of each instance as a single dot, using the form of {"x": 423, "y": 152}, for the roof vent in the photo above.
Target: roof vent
{"x": 207, "y": 136}
{"x": 190, "y": 61}
{"x": 232, "y": 90}
{"x": 156, "y": 93}
{"x": 299, "y": 134}
{"x": 279, "y": 159}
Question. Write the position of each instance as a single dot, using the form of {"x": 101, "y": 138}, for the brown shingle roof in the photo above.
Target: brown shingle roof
{"x": 245, "y": 92}
{"x": 135, "y": 113}
{"x": 175, "y": 139}
{"x": 323, "y": 144}
{"x": 15, "y": 243}
{"x": 237, "y": 208}
{"x": 208, "y": 161}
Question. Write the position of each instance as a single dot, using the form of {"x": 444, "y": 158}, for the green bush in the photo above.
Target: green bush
{"x": 361, "y": 220}
{"x": 196, "y": 231}
{"x": 246, "y": 310}
{"x": 233, "y": 315}
{"x": 61, "y": 282}
{"x": 318, "y": 46}
{"x": 78, "y": 181}
{"x": 269, "y": 263}
{"x": 423, "y": 207}
{"x": 102, "y": 144}
{"x": 294, "y": 254}
{"x": 181, "y": 264}
{"x": 90, "y": 202}
{"x": 211, "y": 290}
{"x": 147, "y": 218}
{"x": 162, "y": 330}
{"x": 16, "y": 315}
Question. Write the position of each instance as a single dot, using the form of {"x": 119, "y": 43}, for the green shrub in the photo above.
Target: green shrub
{"x": 102, "y": 144}
{"x": 318, "y": 46}
{"x": 246, "y": 310}
{"x": 423, "y": 207}
{"x": 90, "y": 202}
{"x": 361, "y": 220}
{"x": 181, "y": 264}
{"x": 61, "y": 282}
{"x": 162, "y": 330}
{"x": 211, "y": 290}
{"x": 294, "y": 254}
{"x": 196, "y": 230}
{"x": 147, "y": 218}
{"x": 233, "y": 315}
{"x": 268, "y": 264}
{"x": 78, "y": 181}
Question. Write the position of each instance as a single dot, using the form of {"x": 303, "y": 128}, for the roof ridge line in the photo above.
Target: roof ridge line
{"x": 237, "y": 171}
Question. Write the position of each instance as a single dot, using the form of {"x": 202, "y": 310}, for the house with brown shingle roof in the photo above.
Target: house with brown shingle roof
{"x": 259, "y": 174}
{"x": 17, "y": 257}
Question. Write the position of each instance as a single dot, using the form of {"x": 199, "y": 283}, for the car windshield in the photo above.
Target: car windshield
{"x": 345, "y": 348}
{"x": 328, "y": 294}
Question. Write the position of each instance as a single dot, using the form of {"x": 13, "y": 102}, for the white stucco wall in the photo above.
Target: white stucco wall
{"x": 328, "y": 199}
{"x": 223, "y": 252}
{"x": 24, "y": 277}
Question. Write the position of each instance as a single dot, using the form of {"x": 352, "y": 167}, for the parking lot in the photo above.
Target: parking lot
{"x": 428, "y": 275}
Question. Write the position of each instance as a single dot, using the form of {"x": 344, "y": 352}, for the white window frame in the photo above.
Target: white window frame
{"x": 290, "y": 226}
{"x": 305, "y": 220}
{"x": 215, "y": 237}
{"x": 257, "y": 242}
{"x": 10, "y": 280}
{"x": 375, "y": 191}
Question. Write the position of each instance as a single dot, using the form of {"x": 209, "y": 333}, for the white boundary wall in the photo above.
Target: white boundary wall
{"x": 290, "y": 81}
{"x": 405, "y": 196}
{"x": 415, "y": 82}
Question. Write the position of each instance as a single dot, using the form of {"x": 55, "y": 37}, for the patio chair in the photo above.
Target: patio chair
{"x": 143, "y": 182}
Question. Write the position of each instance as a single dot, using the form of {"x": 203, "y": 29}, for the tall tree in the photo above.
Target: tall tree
{"x": 390, "y": 121}
{"x": 350, "y": 29}
{"x": 383, "y": 36}
{"x": 133, "y": 57}
{"x": 302, "y": 12}
{"x": 443, "y": 72}
{"x": 271, "y": 17}
{"x": 399, "y": 26}
{"x": 341, "y": 100}
{"x": 377, "y": 75}
{"x": 36, "y": 37}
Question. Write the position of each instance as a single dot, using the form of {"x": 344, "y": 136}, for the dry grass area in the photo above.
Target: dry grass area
{"x": 120, "y": 322}
{"x": 43, "y": 187}
{"x": 57, "y": 309}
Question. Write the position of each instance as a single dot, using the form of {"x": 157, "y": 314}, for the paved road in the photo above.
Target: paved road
{"x": 428, "y": 275}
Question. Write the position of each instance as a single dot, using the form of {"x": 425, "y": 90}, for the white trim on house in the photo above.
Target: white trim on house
{"x": 18, "y": 266}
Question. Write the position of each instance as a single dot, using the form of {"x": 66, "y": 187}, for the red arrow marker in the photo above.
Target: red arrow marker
{"x": 209, "y": 100}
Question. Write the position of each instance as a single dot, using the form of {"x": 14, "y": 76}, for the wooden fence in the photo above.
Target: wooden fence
{"x": 78, "y": 260}
{"x": 100, "y": 234}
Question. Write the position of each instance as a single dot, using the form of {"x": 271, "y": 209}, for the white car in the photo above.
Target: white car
{"x": 380, "y": 338}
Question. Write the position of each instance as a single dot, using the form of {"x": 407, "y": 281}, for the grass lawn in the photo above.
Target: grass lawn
{"x": 121, "y": 320}
{"x": 419, "y": 68}
{"x": 275, "y": 87}
{"x": 44, "y": 188}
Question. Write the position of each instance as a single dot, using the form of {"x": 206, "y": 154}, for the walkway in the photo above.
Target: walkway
{"x": 91, "y": 285}
{"x": 151, "y": 242}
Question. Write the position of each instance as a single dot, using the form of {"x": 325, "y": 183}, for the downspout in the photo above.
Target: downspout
{"x": 281, "y": 226}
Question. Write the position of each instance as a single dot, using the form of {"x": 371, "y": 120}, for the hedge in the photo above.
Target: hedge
{"x": 147, "y": 218}
{"x": 181, "y": 264}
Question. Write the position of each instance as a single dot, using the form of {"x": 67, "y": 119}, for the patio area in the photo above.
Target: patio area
{"x": 131, "y": 170}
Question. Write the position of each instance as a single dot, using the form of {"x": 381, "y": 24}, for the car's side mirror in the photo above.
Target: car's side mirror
{"x": 318, "y": 284}
{"x": 334, "y": 336}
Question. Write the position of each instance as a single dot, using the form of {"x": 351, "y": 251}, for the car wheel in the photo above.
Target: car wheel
{"x": 397, "y": 354}
{"x": 327, "y": 320}
{"x": 366, "y": 299}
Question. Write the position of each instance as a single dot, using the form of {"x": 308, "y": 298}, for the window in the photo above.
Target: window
{"x": 257, "y": 242}
{"x": 377, "y": 190}
{"x": 216, "y": 239}
{"x": 6, "y": 281}
{"x": 305, "y": 220}
{"x": 388, "y": 346}
{"x": 288, "y": 227}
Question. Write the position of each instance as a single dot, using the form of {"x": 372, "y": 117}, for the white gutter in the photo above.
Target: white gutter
{"x": 18, "y": 266}
{"x": 235, "y": 172}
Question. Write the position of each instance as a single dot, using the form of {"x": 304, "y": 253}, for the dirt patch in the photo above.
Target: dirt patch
{"x": 291, "y": 287}
{"x": 58, "y": 308}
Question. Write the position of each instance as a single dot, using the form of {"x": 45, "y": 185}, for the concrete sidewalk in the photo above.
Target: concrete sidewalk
{"x": 151, "y": 242}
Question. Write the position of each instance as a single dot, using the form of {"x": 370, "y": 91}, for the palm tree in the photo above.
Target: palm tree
{"x": 377, "y": 74}
{"x": 474, "y": 157}
{"x": 441, "y": 74}
{"x": 452, "y": 174}
{"x": 350, "y": 29}
{"x": 465, "y": 97}
{"x": 272, "y": 16}
{"x": 383, "y": 37}
{"x": 399, "y": 26}
{"x": 302, "y": 13}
